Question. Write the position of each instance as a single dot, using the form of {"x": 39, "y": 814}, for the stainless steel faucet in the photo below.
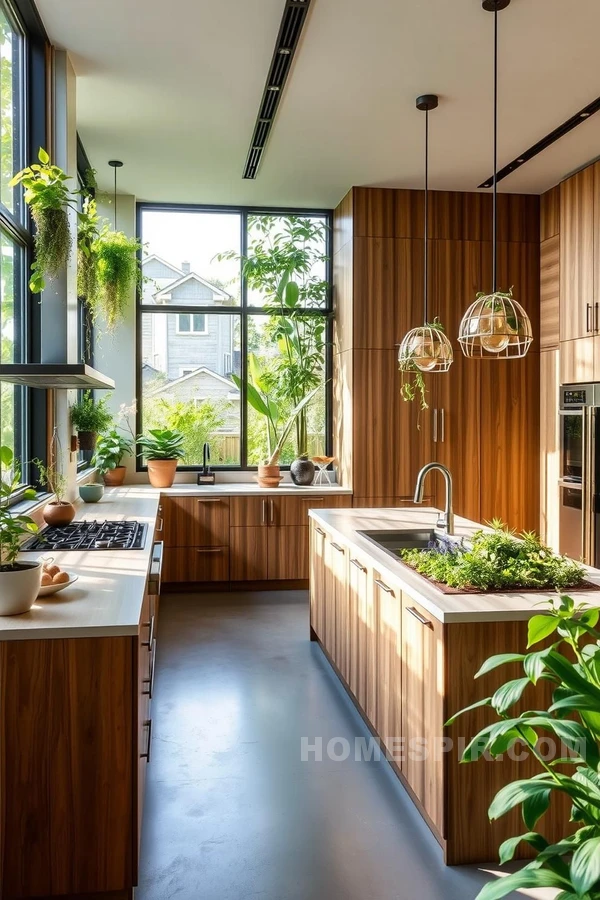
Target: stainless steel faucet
{"x": 445, "y": 521}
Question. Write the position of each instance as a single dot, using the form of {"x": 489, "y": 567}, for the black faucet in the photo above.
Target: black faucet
{"x": 206, "y": 476}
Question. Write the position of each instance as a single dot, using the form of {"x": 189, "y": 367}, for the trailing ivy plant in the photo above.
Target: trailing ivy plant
{"x": 48, "y": 197}
{"x": 413, "y": 384}
{"x": 572, "y": 664}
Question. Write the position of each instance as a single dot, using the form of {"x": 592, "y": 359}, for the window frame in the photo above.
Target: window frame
{"x": 192, "y": 332}
{"x": 244, "y": 311}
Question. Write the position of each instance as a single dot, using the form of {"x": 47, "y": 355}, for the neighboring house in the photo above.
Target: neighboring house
{"x": 186, "y": 355}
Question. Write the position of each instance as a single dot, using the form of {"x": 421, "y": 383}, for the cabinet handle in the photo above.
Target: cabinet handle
{"x": 435, "y": 430}
{"x": 443, "y": 425}
{"x": 150, "y": 626}
{"x": 150, "y": 681}
{"x": 160, "y": 524}
{"x": 209, "y": 549}
{"x": 338, "y": 548}
{"x": 419, "y": 617}
{"x": 358, "y": 565}
{"x": 313, "y": 499}
{"x": 595, "y": 316}
{"x": 148, "y": 725}
{"x": 208, "y": 500}
{"x": 319, "y": 531}
{"x": 588, "y": 310}
{"x": 272, "y": 510}
{"x": 384, "y": 587}
{"x": 264, "y": 512}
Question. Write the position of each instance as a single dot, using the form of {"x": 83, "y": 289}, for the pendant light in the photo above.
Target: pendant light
{"x": 116, "y": 164}
{"x": 495, "y": 326}
{"x": 426, "y": 348}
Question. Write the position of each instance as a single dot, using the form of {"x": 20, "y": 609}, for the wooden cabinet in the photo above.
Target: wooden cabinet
{"x": 287, "y": 553}
{"x": 337, "y": 604}
{"x": 578, "y": 304}
{"x": 549, "y": 448}
{"x": 388, "y": 664}
{"x": 195, "y": 521}
{"x": 318, "y": 580}
{"x": 549, "y": 292}
{"x": 360, "y": 603}
{"x": 196, "y": 564}
{"x": 249, "y": 553}
{"x": 423, "y": 708}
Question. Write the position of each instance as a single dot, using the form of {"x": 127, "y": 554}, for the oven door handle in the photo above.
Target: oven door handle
{"x": 589, "y": 484}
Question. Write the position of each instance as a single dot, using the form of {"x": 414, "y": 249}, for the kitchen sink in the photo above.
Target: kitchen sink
{"x": 407, "y": 539}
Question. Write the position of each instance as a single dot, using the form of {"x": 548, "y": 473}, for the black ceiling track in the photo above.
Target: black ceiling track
{"x": 292, "y": 23}
{"x": 582, "y": 116}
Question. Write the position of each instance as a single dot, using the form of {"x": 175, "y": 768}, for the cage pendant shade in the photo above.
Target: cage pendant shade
{"x": 426, "y": 348}
{"x": 495, "y": 326}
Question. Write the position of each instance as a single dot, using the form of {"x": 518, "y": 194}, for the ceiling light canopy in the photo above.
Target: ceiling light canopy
{"x": 495, "y": 326}
{"x": 427, "y": 347}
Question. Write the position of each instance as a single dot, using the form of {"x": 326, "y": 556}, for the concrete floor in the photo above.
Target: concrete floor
{"x": 231, "y": 810}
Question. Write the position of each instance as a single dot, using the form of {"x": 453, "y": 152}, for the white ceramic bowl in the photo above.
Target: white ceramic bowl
{"x": 55, "y": 588}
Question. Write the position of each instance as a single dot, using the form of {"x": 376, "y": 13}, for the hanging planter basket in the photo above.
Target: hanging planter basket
{"x": 426, "y": 348}
{"x": 495, "y": 326}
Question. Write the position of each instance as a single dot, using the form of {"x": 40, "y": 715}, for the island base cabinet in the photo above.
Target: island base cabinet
{"x": 388, "y": 667}
{"x": 423, "y": 709}
{"x": 318, "y": 544}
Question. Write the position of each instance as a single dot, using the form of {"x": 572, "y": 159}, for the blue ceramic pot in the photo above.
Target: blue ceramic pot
{"x": 91, "y": 493}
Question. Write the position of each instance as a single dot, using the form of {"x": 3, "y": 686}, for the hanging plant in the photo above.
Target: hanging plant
{"x": 117, "y": 273}
{"x": 419, "y": 346}
{"x": 87, "y": 235}
{"x": 48, "y": 198}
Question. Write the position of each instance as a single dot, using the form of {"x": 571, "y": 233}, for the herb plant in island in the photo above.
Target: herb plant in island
{"x": 572, "y": 664}
{"x": 495, "y": 561}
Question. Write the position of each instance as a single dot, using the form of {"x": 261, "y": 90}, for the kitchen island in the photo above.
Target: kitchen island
{"x": 407, "y": 655}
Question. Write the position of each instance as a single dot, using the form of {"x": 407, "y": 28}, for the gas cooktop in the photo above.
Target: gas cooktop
{"x": 90, "y": 536}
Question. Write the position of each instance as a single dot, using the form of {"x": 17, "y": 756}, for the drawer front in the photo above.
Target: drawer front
{"x": 190, "y": 564}
{"x": 290, "y": 510}
{"x": 195, "y": 521}
{"x": 288, "y": 553}
{"x": 252, "y": 511}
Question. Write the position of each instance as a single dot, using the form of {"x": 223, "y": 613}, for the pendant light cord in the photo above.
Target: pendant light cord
{"x": 425, "y": 255}
{"x": 494, "y": 201}
{"x": 115, "y": 198}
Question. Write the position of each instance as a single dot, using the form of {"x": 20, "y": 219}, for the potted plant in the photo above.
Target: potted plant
{"x": 48, "y": 198}
{"x": 19, "y": 581}
{"x": 162, "y": 450}
{"x": 277, "y": 431}
{"x": 89, "y": 417}
{"x": 57, "y": 511}
{"x": 110, "y": 450}
{"x": 571, "y": 663}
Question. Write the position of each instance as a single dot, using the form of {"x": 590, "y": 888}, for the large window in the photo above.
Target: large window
{"x": 213, "y": 319}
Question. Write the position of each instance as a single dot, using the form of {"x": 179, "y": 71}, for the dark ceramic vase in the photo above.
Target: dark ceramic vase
{"x": 302, "y": 471}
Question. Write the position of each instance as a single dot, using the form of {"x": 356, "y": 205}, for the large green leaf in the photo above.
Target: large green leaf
{"x": 575, "y": 702}
{"x": 513, "y": 794}
{"x": 539, "y": 627}
{"x": 256, "y": 401}
{"x": 535, "y": 664}
{"x": 508, "y": 848}
{"x": 509, "y": 694}
{"x": 500, "y": 659}
{"x": 567, "y": 673}
{"x": 292, "y": 293}
{"x": 524, "y": 879}
{"x": 585, "y": 866}
{"x": 534, "y": 808}
{"x": 485, "y": 702}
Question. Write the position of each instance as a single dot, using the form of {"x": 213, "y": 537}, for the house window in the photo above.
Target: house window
{"x": 247, "y": 328}
{"x": 192, "y": 323}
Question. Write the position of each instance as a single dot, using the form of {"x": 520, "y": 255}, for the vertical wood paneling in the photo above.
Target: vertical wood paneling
{"x": 456, "y": 216}
{"x": 343, "y": 297}
{"x": 549, "y": 447}
{"x": 576, "y": 254}
{"x": 550, "y": 213}
{"x": 549, "y": 292}
{"x": 343, "y": 415}
{"x": 374, "y": 212}
{"x": 343, "y": 222}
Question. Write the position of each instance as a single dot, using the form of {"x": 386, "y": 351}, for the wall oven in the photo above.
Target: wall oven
{"x": 579, "y": 529}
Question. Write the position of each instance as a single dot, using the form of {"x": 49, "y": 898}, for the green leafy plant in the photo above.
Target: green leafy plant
{"x": 413, "y": 384}
{"x": 284, "y": 258}
{"x": 110, "y": 450}
{"x": 48, "y": 197}
{"x": 161, "y": 444}
{"x": 52, "y": 478}
{"x": 572, "y": 664}
{"x": 495, "y": 561}
{"x": 88, "y": 230}
{"x": 90, "y": 415}
{"x": 259, "y": 397}
{"x": 13, "y": 527}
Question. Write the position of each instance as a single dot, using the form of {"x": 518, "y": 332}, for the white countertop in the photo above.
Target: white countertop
{"x": 346, "y": 523}
{"x": 106, "y": 601}
{"x": 242, "y": 489}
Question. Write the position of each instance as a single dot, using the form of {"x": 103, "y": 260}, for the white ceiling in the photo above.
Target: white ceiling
{"x": 173, "y": 90}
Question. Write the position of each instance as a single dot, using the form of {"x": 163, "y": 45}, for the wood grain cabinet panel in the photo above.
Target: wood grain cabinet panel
{"x": 550, "y": 213}
{"x": 549, "y": 293}
{"x": 388, "y": 660}
{"x": 248, "y": 511}
{"x": 288, "y": 553}
{"x": 195, "y": 521}
{"x": 318, "y": 587}
{"x": 290, "y": 510}
{"x": 549, "y": 448}
{"x": 249, "y": 549}
{"x": 190, "y": 564}
{"x": 577, "y": 255}
{"x": 423, "y": 708}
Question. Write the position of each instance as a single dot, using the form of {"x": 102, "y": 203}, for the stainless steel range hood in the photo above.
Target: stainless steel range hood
{"x": 56, "y": 376}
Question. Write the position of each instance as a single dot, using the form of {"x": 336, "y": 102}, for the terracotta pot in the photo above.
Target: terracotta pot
{"x": 87, "y": 440}
{"x": 19, "y": 587}
{"x": 269, "y": 476}
{"x": 115, "y": 477}
{"x": 58, "y": 513}
{"x": 161, "y": 472}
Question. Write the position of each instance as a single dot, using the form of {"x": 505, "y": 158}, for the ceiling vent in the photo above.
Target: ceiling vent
{"x": 582, "y": 116}
{"x": 292, "y": 23}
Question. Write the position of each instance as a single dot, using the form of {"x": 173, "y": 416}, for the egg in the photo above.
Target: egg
{"x": 60, "y": 578}
{"x": 46, "y": 579}
{"x": 53, "y": 570}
